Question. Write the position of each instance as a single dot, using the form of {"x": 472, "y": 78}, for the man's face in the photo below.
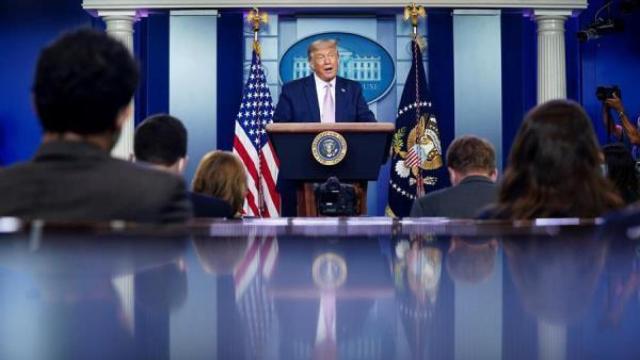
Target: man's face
{"x": 324, "y": 62}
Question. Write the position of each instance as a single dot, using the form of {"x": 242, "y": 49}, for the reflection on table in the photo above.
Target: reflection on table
{"x": 315, "y": 289}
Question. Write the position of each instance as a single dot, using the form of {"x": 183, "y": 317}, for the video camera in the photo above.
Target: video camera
{"x": 606, "y": 92}
{"x": 599, "y": 28}
{"x": 335, "y": 199}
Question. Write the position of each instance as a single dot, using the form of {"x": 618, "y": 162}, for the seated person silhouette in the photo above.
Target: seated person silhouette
{"x": 471, "y": 162}
{"x": 161, "y": 141}
{"x": 82, "y": 91}
{"x": 554, "y": 168}
{"x": 221, "y": 174}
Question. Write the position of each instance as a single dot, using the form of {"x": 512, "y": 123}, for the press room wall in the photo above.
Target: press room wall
{"x": 478, "y": 110}
{"x": 478, "y": 75}
{"x": 610, "y": 60}
{"x": 193, "y": 78}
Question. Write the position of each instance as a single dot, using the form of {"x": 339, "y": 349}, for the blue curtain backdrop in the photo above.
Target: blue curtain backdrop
{"x": 611, "y": 60}
{"x": 25, "y": 27}
{"x": 151, "y": 46}
{"x": 519, "y": 73}
{"x": 440, "y": 75}
{"x": 230, "y": 65}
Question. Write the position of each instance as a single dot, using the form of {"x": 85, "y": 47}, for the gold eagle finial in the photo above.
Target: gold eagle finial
{"x": 414, "y": 12}
{"x": 255, "y": 18}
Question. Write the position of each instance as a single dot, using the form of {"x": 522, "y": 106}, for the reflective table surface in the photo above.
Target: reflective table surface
{"x": 368, "y": 288}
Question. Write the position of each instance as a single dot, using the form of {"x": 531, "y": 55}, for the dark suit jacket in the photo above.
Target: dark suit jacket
{"x": 209, "y": 207}
{"x": 299, "y": 102}
{"x": 74, "y": 181}
{"x": 462, "y": 201}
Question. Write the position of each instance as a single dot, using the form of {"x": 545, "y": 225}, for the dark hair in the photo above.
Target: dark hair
{"x": 621, "y": 170}
{"x": 82, "y": 81}
{"x": 160, "y": 139}
{"x": 556, "y": 276}
{"x": 471, "y": 260}
{"x": 554, "y": 167}
{"x": 471, "y": 153}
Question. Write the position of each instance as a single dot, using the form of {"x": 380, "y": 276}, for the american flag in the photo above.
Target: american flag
{"x": 413, "y": 159}
{"x": 253, "y": 147}
{"x": 255, "y": 305}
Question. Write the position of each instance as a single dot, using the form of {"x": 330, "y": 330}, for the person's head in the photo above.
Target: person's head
{"x": 83, "y": 85}
{"x": 470, "y": 155}
{"x": 221, "y": 174}
{"x": 556, "y": 276}
{"x": 161, "y": 140}
{"x": 471, "y": 261}
{"x": 220, "y": 256}
{"x": 324, "y": 58}
{"x": 621, "y": 170}
{"x": 554, "y": 167}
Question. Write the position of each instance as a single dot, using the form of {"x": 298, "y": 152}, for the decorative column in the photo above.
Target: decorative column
{"x": 552, "y": 77}
{"x": 120, "y": 26}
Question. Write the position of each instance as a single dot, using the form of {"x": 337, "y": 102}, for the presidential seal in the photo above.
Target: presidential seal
{"x": 329, "y": 148}
{"x": 329, "y": 271}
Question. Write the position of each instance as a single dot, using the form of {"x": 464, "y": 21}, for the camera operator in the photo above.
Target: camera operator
{"x": 626, "y": 133}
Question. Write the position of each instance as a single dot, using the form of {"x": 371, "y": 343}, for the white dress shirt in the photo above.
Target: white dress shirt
{"x": 320, "y": 90}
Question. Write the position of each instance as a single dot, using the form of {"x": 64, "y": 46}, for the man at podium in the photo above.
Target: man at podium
{"x": 323, "y": 96}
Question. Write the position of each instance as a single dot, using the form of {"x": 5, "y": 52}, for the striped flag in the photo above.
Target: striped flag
{"x": 255, "y": 305}
{"x": 253, "y": 147}
{"x": 258, "y": 262}
{"x": 412, "y": 159}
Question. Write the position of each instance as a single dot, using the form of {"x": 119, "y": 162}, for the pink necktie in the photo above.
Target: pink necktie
{"x": 328, "y": 109}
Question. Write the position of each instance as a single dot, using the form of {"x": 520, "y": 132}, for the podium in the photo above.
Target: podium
{"x": 367, "y": 148}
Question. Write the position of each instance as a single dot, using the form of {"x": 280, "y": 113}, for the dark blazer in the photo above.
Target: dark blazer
{"x": 462, "y": 201}
{"x": 299, "y": 102}
{"x": 209, "y": 207}
{"x": 75, "y": 181}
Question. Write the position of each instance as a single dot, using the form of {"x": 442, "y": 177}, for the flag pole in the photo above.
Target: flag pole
{"x": 255, "y": 17}
{"x": 414, "y": 13}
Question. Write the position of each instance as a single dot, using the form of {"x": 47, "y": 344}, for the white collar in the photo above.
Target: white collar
{"x": 321, "y": 83}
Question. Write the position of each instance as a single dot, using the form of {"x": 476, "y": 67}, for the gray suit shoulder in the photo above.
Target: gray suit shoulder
{"x": 425, "y": 205}
{"x": 461, "y": 201}
{"x": 104, "y": 189}
{"x": 154, "y": 189}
